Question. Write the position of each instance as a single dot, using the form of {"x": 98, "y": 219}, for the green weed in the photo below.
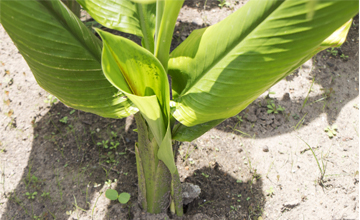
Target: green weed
{"x": 112, "y": 194}
{"x": 51, "y": 100}
{"x": 64, "y": 120}
{"x": 331, "y": 130}
{"x": 344, "y": 57}
{"x": 104, "y": 143}
{"x": 31, "y": 195}
{"x": 223, "y": 3}
{"x": 205, "y": 175}
{"x": 272, "y": 108}
{"x": 114, "y": 145}
{"x": 322, "y": 167}
{"x": 333, "y": 51}
{"x": 307, "y": 96}
{"x": 270, "y": 191}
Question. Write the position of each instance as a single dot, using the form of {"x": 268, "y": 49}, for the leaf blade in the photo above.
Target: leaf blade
{"x": 63, "y": 55}
{"x": 123, "y": 15}
{"x": 219, "y": 70}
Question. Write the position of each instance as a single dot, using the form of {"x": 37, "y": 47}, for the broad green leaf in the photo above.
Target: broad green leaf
{"x": 126, "y": 16}
{"x": 139, "y": 75}
{"x": 219, "y": 70}
{"x": 64, "y": 56}
{"x": 111, "y": 194}
{"x": 124, "y": 198}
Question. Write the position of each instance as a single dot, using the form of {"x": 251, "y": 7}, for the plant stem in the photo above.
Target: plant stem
{"x": 155, "y": 182}
{"x": 154, "y": 178}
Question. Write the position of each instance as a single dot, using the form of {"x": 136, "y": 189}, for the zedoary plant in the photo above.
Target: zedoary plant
{"x": 215, "y": 73}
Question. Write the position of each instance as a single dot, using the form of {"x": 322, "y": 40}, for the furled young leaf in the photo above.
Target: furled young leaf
{"x": 218, "y": 71}
{"x": 126, "y": 16}
{"x": 137, "y": 73}
{"x": 167, "y": 13}
{"x": 63, "y": 55}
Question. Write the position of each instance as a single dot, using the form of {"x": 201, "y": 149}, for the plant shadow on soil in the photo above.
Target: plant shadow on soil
{"x": 66, "y": 161}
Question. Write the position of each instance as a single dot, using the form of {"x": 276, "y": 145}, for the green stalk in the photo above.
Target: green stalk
{"x": 154, "y": 178}
{"x": 168, "y": 11}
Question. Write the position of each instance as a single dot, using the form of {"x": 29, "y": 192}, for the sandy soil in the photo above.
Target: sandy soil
{"x": 253, "y": 166}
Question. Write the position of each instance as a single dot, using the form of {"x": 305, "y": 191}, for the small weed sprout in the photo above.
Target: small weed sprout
{"x": 239, "y": 118}
{"x": 205, "y": 175}
{"x": 104, "y": 144}
{"x": 110, "y": 158}
{"x": 270, "y": 191}
{"x": 70, "y": 212}
{"x": 322, "y": 167}
{"x": 112, "y": 194}
{"x": 114, "y": 134}
{"x": 45, "y": 195}
{"x": 272, "y": 108}
{"x": 333, "y": 51}
{"x": 223, "y": 3}
{"x": 331, "y": 130}
{"x": 344, "y": 57}
{"x": 108, "y": 183}
{"x": 114, "y": 145}
{"x": 296, "y": 116}
{"x": 64, "y": 120}
{"x": 31, "y": 195}
{"x": 51, "y": 100}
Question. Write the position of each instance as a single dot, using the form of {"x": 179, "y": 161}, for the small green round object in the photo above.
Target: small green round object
{"x": 124, "y": 198}
{"x": 111, "y": 194}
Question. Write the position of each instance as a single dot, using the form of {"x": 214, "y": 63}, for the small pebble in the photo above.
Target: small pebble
{"x": 266, "y": 148}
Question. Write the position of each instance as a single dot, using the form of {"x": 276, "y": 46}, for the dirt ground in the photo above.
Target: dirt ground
{"x": 54, "y": 163}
